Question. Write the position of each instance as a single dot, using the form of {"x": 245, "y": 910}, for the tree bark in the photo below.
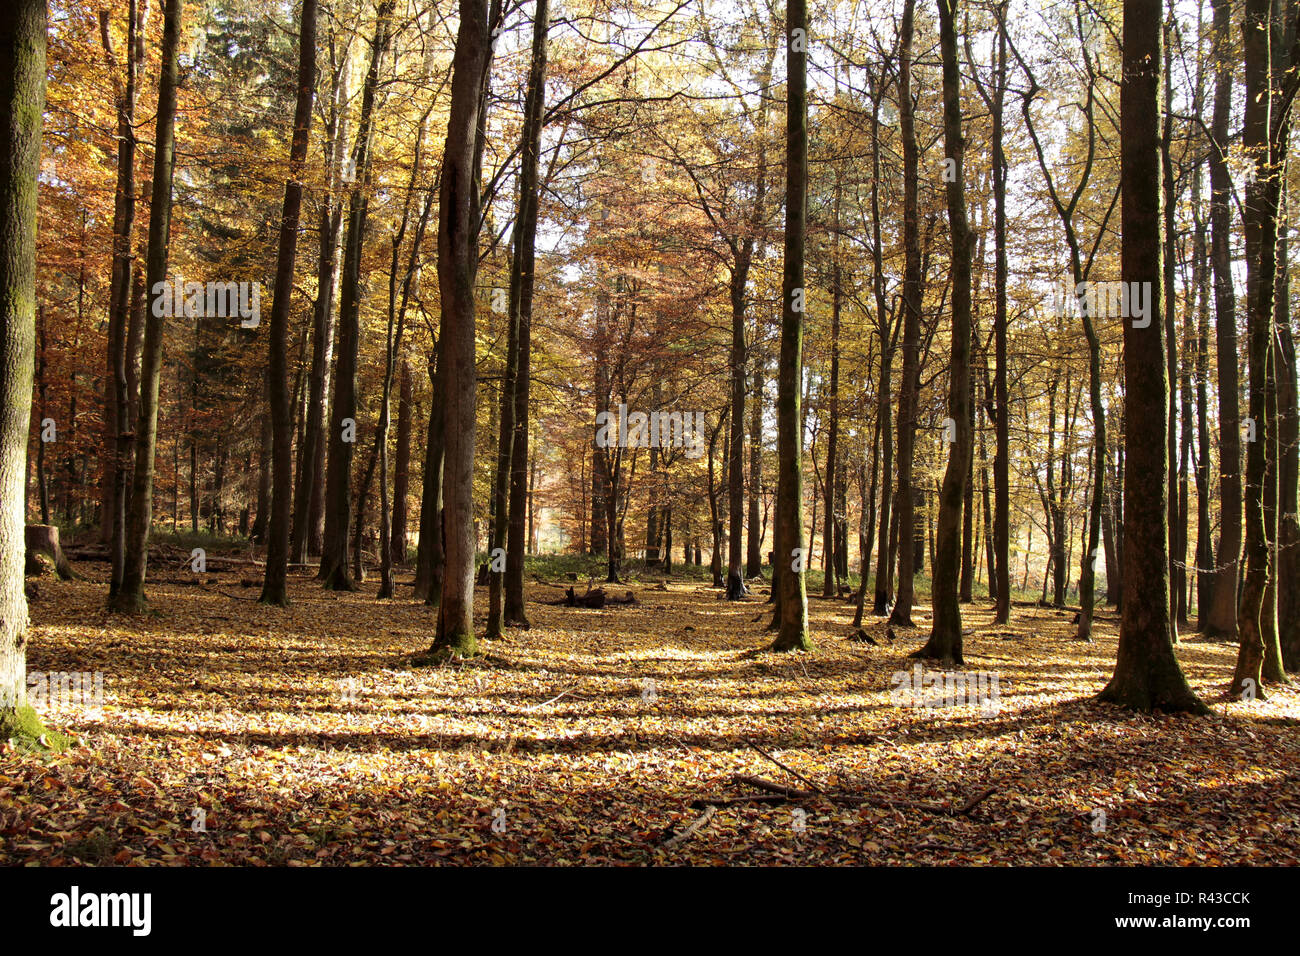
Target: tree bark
{"x": 458, "y": 227}
{"x": 523, "y": 267}
{"x": 275, "y": 583}
{"x": 792, "y": 600}
{"x": 945, "y": 642}
{"x": 1147, "y": 676}
{"x": 22, "y": 100}
{"x": 130, "y": 596}
{"x": 911, "y": 344}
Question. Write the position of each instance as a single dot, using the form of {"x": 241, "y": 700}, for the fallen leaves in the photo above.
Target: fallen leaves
{"x": 237, "y": 734}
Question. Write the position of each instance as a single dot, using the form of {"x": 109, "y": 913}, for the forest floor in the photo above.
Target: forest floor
{"x": 232, "y": 733}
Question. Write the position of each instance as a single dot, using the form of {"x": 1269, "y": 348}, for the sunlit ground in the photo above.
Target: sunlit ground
{"x": 234, "y": 733}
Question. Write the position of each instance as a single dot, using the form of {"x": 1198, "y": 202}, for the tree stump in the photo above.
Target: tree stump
{"x": 44, "y": 539}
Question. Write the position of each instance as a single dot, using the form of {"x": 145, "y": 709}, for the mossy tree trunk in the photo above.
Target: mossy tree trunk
{"x": 22, "y": 100}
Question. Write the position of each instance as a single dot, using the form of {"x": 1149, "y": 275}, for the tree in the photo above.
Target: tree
{"x": 911, "y": 343}
{"x": 792, "y": 602}
{"x": 274, "y": 585}
{"x": 945, "y": 634}
{"x": 1220, "y": 619}
{"x": 1267, "y": 105}
{"x": 334, "y": 569}
{"x": 523, "y": 276}
{"x": 130, "y": 595}
{"x": 458, "y": 227}
{"x": 1147, "y": 676}
{"x": 22, "y": 99}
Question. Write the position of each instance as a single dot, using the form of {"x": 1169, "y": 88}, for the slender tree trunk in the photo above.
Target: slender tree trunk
{"x": 753, "y": 530}
{"x": 907, "y": 407}
{"x": 335, "y": 558}
{"x": 119, "y": 430}
{"x": 309, "y": 498}
{"x": 130, "y": 596}
{"x": 523, "y": 265}
{"x": 1221, "y": 615}
{"x": 736, "y": 445}
{"x": 830, "y": 580}
{"x": 429, "y": 555}
{"x": 275, "y": 584}
{"x": 402, "y": 469}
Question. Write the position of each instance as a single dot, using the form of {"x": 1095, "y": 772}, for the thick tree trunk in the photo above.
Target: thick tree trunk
{"x": 945, "y": 635}
{"x": 22, "y": 100}
{"x": 458, "y": 227}
{"x": 1259, "y": 656}
{"x": 1147, "y": 676}
{"x": 792, "y": 601}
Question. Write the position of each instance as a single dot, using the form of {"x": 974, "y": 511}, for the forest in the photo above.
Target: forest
{"x": 648, "y": 432}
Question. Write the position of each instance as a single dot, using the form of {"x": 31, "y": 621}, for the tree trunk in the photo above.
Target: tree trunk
{"x": 753, "y": 531}
{"x": 275, "y": 584}
{"x": 1221, "y": 616}
{"x": 130, "y": 596}
{"x": 22, "y": 99}
{"x": 334, "y": 567}
{"x": 792, "y": 600}
{"x": 309, "y": 498}
{"x": 1259, "y": 655}
{"x": 458, "y": 227}
{"x": 522, "y": 266}
{"x": 907, "y": 407}
{"x": 402, "y": 468}
{"x": 945, "y": 635}
{"x": 429, "y": 554}
{"x": 1147, "y": 676}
